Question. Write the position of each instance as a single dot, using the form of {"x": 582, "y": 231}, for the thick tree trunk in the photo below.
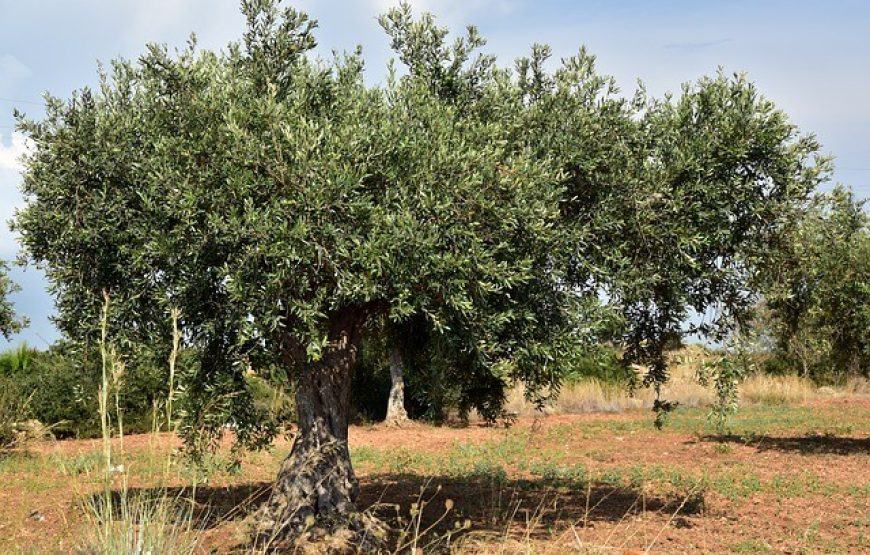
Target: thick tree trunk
{"x": 312, "y": 500}
{"x": 396, "y": 413}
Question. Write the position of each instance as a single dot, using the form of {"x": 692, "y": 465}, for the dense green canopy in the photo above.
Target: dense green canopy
{"x": 288, "y": 208}
{"x": 263, "y": 210}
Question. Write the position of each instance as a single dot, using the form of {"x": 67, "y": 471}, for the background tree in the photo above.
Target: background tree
{"x": 817, "y": 291}
{"x": 8, "y": 323}
{"x": 721, "y": 174}
{"x": 401, "y": 339}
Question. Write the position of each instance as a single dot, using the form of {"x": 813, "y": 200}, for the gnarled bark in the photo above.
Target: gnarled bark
{"x": 396, "y": 413}
{"x": 313, "y": 498}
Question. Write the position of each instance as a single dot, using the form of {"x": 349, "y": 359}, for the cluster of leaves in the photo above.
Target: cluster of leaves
{"x": 516, "y": 213}
{"x": 816, "y": 309}
{"x": 8, "y": 322}
{"x": 724, "y": 372}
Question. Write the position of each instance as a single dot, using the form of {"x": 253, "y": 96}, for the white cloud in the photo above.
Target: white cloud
{"x": 10, "y": 197}
{"x": 10, "y": 156}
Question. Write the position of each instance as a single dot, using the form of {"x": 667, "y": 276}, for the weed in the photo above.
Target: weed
{"x": 722, "y": 448}
{"x": 751, "y": 546}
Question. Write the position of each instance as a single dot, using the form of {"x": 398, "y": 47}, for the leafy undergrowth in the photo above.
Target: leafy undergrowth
{"x": 785, "y": 477}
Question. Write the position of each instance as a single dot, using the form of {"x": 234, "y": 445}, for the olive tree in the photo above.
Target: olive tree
{"x": 284, "y": 207}
{"x": 817, "y": 291}
{"x": 721, "y": 173}
{"x": 289, "y": 210}
{"x": 539, "y": 123}
{"x": 672, "y": 206}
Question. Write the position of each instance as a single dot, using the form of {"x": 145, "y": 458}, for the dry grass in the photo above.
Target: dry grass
{"x": 521, "y": 528}
{"x": 777, "y": 390}
{"x": 856, "y": 386}
{"x": 140, "y": 525}
{"x": 593, "y": 395}
{"x": 561, "y": 484}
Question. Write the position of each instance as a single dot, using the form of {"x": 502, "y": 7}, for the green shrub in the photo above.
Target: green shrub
{"x": 13, "y": 409}
{"x": 17, "y": 360}
{"x": 603, "y": 363}
{"x": 64, "y": 396}
{"x": 61, "y": 387}
{"x": 272, "y": 399}
{"x": 776, "y": 364}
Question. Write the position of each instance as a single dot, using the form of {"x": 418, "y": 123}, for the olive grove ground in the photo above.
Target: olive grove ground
{"x": 788, "y": 477}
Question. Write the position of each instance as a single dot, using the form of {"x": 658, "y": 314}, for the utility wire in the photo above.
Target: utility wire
{"x": 16, "y": 101}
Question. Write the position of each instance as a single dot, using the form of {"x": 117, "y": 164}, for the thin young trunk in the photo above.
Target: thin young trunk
{"x": 313, "y": 498}
{"x": 396, "y": 413}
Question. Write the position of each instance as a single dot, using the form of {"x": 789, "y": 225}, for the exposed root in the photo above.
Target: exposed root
{"x": 397, "y": 422}
{"x": 355, "y": 532}
{"x": 312, "y": 506}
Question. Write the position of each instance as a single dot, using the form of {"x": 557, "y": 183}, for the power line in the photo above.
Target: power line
{"x": 14, "y": 100}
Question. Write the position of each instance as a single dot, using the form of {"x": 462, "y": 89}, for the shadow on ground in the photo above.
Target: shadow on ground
{"x": 483, "y": 504}
{"x": 495, "y": 505}
{"x": 807, "y": 445}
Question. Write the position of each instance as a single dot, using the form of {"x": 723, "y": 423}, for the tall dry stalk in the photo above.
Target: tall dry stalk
{"x": 103, "y": 393}
{"x": 175, "y": 314}
{"x": 135, "y": 524}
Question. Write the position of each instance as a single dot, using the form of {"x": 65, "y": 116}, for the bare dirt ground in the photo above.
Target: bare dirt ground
{"x": 784, "y": 479}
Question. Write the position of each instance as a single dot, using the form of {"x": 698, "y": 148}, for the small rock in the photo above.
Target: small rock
{"x": 36, "y": 515}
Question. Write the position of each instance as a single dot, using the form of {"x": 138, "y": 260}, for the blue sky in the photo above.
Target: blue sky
{"x": 811, "y": 57}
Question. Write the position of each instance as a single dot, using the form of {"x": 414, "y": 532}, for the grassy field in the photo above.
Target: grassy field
{"x": 786, "y": 478}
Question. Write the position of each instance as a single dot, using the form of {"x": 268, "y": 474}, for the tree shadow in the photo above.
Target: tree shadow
{"x": 823, "y": 444}
{"x": 486, "y": 503}
{"x": 497, "y": 505}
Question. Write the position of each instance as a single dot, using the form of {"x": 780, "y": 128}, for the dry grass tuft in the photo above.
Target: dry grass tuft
{"x": 777, "y": 390}
{"x": 140, "y": 525}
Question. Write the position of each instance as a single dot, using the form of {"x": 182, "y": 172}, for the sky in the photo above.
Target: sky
{"x": 811, "y": 57}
